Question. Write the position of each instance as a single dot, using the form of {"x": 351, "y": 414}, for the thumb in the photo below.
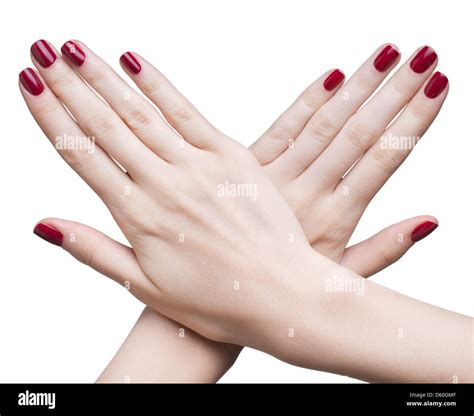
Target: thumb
{"x": 387, "y": 246}
{"x": 100, "y": 252}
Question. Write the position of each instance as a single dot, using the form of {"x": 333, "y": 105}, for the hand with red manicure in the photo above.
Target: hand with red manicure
{"x": 190, "y": 248}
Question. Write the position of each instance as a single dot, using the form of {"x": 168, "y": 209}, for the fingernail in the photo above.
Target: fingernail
{"x": 386, "y": 58}
{"x": 131, "y": 62}
{"x": 43, "y": 53}
{"x": 423, "y": 230}
{"x": 436, "y": 85}
{"x": 74, "y": 53}
{"x": 423, "y": 59}
{"x": 333, "y": 80}
{"x": 48, "y": 233}
{"x": 31, "y": 81}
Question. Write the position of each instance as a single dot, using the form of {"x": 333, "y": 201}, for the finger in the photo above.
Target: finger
{"x": 94, "y": 117}
{"x": 325, "y": 124}
{"x": 389, "y": 152}
{"x": 289, "y": 125}
{"x": 101, "y": 253}
{"x": 177, "y": 110}
{"x": 139, "y": 115}
{"x": 389, "y": 245}
{"x": 99, "y": 171}
{"x": 366, "y": 126}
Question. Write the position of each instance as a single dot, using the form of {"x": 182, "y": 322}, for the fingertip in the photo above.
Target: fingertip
{"x": 73, "y": 51}
{"x": 129, "y": 61}
{"x": 423, "y": 230}
{"x": 48, "y": 232}
{"x": 334, "y": 79}
{"x": 30, "y": 81}
{"x": 436, "y": 84}
{"x": 388, "y": 56}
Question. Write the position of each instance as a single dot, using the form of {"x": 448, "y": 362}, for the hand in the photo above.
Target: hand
{"x": 368, "y": 257}
{"x": 170, "y": 205}
{"x": 307, "y": 121}
{"x": 142, "y": 236}
{"x": 310, "y": 151}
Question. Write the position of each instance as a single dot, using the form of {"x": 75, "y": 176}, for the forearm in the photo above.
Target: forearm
{"x": 392, "y": 337}
{"x": 161, "y": 350}
{"x": 385, "y": 336}
{"x": 351, "y": 326}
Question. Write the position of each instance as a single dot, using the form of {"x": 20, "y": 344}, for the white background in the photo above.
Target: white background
{"x": 241, "y": 63}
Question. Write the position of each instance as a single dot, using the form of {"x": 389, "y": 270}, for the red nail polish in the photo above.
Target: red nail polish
{"x": 131, "y": 62}
{"x": 423, "y": 60}
{"x": 423, "y": 230}
{"x": 31, "y": 81}
{"x": 73, "y": 53}
{"x": 436, "y": 85}
{"x": 386, "y": 58}
{"x": 48, "y": 233}
{"x": 43, "y": 53}
{"x": 333, "y": 80}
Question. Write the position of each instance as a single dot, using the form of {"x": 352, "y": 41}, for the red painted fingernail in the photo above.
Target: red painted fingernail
{"x": 423, "y": 230}
{"x": 386, "y": 58}
{"x": 333, "y": 79}
{"x": 74, "y": 53}
{"x": 436, "y": 85}
{"x": 31, "y": 81}
{"x": 43, "y": 53}
{"x": 131, "y": 62}
{"x": 423, "y": 59}
{"x": 48, "y": 233}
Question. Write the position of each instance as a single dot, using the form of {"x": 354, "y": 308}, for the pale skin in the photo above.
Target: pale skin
{"x": 161, "y": 350}
{"x": 248, "y": 241}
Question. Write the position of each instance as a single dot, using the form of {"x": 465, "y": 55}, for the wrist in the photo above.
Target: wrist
{"x": 291, "y": 317}
{"x": 317, "y": 299}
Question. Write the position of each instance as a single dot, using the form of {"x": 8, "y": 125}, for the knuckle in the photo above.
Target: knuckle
{"x": 151, "y": 87}
{"x": 279, "y": 133}
{"x": 399, "y": 86}
{"x": 139, "y": 118}
{"x": 322, "y": 128}
{"x": 389, "y": 159}
{"x": 181, "y": 113}
{"x": 363, "y": 81}
{"x": 96, "y": 76}
{"x": 75, "y": 157}
{"x": 61, "y": 81}
{"x": 311, "y": 98}
{"x": 100, "y": 124}
{"x": 87, "y": 256}
{"x": 359, "y": 134}
{"x": 388, "y": 256}
{"x": 419, "y": 109}
{"x": 44, "y": 112}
